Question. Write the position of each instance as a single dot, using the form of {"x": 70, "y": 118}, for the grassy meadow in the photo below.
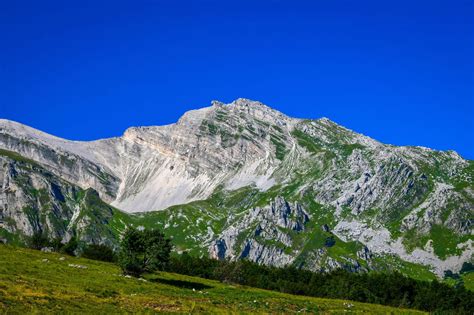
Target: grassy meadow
{"x": 36, "y": 282}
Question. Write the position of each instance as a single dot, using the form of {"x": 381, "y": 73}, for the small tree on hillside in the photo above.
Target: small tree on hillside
{"x": 143, "y": 251}
{"x": 56, "y": 244}
{"x": 38, "y": 240}
{"x": 71, "y": 246}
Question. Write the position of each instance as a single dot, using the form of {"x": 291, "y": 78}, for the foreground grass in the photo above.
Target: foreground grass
{"x": 32, "y": 281}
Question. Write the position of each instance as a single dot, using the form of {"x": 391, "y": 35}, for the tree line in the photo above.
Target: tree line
{"x": 386, "y": 288}
{"x": 72, "y": 247}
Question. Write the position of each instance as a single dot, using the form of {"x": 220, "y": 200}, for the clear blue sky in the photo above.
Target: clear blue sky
{"x": 401, "y": 72}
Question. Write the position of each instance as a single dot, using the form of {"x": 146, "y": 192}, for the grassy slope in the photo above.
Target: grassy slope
{"x": 28, "y": 283}
{"x": 468, "y": 279}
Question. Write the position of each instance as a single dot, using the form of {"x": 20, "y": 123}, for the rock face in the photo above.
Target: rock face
{"x": 152, "y": 168}
{"x": 265, "y": 228}
{"x": 34, "y": 200}
{"x": 242, "y": 180}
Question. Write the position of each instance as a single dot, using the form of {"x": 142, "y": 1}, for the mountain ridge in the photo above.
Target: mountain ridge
{"x": 243, "y": 180}
{"x": 132, "y": 135}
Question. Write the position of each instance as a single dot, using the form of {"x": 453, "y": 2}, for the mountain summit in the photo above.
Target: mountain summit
{"x": 243, "y": 180}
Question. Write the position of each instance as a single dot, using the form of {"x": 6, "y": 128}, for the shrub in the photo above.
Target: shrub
{"x": 56, "y": 244}
{"x": 38, "y": 241}
{"x": 467, "y": 267}
{"x": 70, "y": 247}
{"x": 99, "y": 252}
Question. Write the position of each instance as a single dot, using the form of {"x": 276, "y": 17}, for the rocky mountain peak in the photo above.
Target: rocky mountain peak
{"x": 248, "y": 102}
{"x": 283, "y": 178}
{"x": 259, "y": 110}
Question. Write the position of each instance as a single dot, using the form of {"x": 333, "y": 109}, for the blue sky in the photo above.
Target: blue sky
{"x": 401, "y": 72}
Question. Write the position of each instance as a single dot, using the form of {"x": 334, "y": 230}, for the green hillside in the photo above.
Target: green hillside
{"x": 32, "y": 281}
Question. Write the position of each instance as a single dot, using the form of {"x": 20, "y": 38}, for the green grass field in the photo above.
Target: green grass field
{"x": 32, "y": 281}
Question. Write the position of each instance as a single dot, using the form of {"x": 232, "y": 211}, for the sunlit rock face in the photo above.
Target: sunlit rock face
{"x": 152, "y": 168}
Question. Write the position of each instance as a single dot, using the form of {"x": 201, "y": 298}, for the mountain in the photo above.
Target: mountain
{"x": 242, "y": 180}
